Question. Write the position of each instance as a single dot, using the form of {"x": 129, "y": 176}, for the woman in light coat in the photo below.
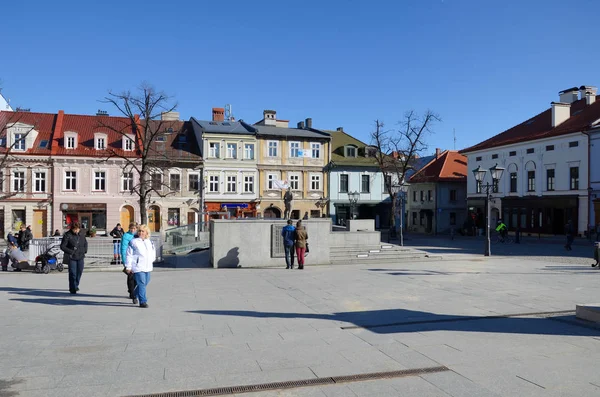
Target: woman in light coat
{"x": 140, "y": 257}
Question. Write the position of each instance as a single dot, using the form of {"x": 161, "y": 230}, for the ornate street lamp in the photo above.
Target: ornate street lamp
{"x": 479, "y": 174}
{"x": 353, "y": 197}
{"x": 322, "y": 203}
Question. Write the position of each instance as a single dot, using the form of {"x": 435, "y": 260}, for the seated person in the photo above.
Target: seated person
{"x": 18, "y": 259}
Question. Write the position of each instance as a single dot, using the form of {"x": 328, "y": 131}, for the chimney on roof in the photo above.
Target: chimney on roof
{"x": 101, "y": 112}
{"x": 569, "y": 95}
{"x": 340, "y": 129}
{"x": 301, "y": 125}
{"x": 560, "y": 113}
{"x": 584, "y": 89}
{"x": 169, "y": 116}
{"x": 590, "y": 98}
{"x": 218, "y": 114}
{"x": 270, "y": 117}
{"x": 438, "y": 151}
{"x": 308, "y": 123}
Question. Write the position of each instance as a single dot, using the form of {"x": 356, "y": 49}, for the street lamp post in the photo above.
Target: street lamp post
{"x": 353, "y": 197}
{"x": 322, "y": 203}
{"x": 496, "y": 173}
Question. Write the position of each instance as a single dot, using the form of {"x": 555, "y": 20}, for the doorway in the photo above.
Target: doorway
{"x": 85, "y": 219}
{"x": 272, "y": 212}
{"x": 127, "y": 216}
{"x": 39, "y": 223}
{"x": 154, "y": 218}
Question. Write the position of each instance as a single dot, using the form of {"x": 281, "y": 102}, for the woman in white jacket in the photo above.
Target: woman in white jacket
{"x": 140, "y": 256}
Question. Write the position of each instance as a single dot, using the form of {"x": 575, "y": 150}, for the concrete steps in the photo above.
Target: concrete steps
{"x": 383, "y": 253}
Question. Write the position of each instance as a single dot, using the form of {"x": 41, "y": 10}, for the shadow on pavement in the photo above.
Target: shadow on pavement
{"x": 6, "y": 385}
{"x": 402, "y": 320}
{"x": 72, "y": 302}
{"x": 51, "y": 293}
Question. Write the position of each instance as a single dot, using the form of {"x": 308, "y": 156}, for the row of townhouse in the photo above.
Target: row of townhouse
{"x": 57, "y": 169}
{"x": 60, "y": 170}
{"x": 552, "y": 168}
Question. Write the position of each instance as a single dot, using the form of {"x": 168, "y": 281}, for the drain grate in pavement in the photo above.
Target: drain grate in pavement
{"x": 223, "y": 391}
{"x": 459, "y": 318}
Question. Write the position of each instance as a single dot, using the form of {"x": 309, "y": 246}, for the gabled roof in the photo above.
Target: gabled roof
{"x": 339, "y": 140}
{"x": 176, "y": 142}
{"x": 43, "y": 123}
{"x": 450, "y": 166}
{"x": 222, "y": 127}
{"x": 540, "y": 126}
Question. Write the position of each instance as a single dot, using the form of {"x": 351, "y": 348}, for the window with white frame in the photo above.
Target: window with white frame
{"x": 99, "y": 181}
{"x": 39, "y": 181}
{"x": 18, "y": 181}
{"x": 231, "y": 150}
{"x": 248, "y": 184}
{"x": 127, "y": 182}
{"x": 271, "y": 178}
{"x": 156, "y": 182}
{"x": 213, "y": 150}
{"x": 273, "y": 148}
{"x": 365, "y": 183}
{"x": 213, "y": 183}
{"x": 316, "y": 150}
{"x": 295, "y": 181}
{"x": 128, "y": 143}
{"x": 100, "y": 142}
{"x": 70, "y": 180}
{"x": 315, "y": 182}
{"x": 231, "y": 183}
{"x": 294, "y": 149}
{"x": 249, "y": 151}
{"x": 19, "y": 141}
{"x": 70, "y": 144}
{"x": 175, "y": 182}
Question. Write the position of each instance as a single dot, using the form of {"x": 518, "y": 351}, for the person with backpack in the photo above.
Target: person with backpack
{"x": 289, "y": 233}
{"x": 74, "y": 245}
{"x": 125, "y": 240}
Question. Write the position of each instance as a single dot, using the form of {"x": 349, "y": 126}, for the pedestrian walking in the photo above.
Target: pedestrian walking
{"x": 127, "y": 237}
{"x": 117, "y": 234}
{"x": 570, "y": 237}
{"x": 75, "y": 246}
{"x": 289, "y": 234}
{"x": 140, "y": 258}
{"x": 301, "y": 243}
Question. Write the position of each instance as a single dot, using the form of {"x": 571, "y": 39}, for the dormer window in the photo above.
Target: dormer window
{"x": 100, "y": 141}
{"x": 128, "y": 143}
{"x": 351, "y": 151}
{"x": 19, "y": 142}
{"x": 70, "y": 140}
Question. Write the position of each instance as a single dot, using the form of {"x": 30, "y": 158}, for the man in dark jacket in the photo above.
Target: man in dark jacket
{"x": 288, "y": 233}
{"x": 24, "y": 237}
{"x": 74, "y": 245}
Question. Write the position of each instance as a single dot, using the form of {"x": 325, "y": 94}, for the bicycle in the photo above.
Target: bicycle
{"x": 498, "y": 239}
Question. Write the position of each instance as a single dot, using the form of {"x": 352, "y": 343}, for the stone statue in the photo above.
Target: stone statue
{"x": 287, "y": 200}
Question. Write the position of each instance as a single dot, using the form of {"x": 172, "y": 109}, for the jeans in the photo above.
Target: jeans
{"x": 75, "y": 272}
{"x": 131, "y": 285}
{"x": 289, "y": 253}
{"x": 116, "y": 248}
{"x": 300, "y": 256}
{"x": 142, "y": 279}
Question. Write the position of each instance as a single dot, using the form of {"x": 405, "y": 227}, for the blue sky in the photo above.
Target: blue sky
{"x": 483, "y": 66}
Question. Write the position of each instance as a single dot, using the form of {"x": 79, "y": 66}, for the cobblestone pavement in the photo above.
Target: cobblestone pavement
{"x": 212, "y": 328}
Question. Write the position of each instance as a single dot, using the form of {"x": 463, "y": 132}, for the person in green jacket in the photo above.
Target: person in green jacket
{"x": 125, "y": 240}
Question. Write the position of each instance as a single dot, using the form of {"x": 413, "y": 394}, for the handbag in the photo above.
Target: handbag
{"x": 66, "y": 259}
{"x": 307, "y": 248}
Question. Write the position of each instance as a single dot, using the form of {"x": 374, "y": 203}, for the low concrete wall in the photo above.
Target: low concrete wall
{"x": 247, "y": 242}
{"x": 355, "y": 239}
{"x": 354, "y": 225}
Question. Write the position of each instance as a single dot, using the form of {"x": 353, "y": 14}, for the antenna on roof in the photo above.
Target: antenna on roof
{"x": 454, "y": 133}
{"x": 229, "y": 113}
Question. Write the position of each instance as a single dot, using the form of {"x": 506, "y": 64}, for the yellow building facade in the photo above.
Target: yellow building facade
{"x": 294, "y": 159}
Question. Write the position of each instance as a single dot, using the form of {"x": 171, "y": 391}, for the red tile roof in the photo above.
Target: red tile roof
{"x": 450, "y": 166}
{"x": 43, "y": 123}
{"x": 540, "y": 126}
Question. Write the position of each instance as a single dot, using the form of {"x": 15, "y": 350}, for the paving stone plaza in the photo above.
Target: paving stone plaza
{"x": 499, "y": 326}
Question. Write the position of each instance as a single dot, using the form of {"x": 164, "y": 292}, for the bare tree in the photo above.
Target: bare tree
{"x": 397, "y": 150}
{"x": 143, "y": 112}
